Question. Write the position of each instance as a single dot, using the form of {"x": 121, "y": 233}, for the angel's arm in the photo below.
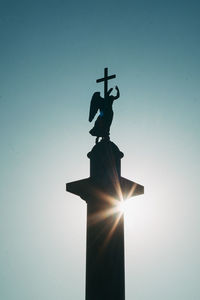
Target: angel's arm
{"x": 109, "y": 91}
{"x": 118, "y": 93}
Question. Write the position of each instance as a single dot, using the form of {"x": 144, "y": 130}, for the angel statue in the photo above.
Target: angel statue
{"x": 103, "y": 122}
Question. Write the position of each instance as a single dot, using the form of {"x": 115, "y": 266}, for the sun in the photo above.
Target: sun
{"x": 132, "y": 211}
{"x": 122, "y": 206}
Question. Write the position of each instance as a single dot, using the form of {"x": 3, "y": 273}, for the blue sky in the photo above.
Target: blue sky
{"x": 51, "y": 53}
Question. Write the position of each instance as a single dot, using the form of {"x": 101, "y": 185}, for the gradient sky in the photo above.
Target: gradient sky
{"x": 51, "y": 53}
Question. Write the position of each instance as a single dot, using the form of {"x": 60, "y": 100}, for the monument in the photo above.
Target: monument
{"x": 103, "y": 192}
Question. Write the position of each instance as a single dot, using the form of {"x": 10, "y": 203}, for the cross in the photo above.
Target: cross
{"x": 105, "y": 79}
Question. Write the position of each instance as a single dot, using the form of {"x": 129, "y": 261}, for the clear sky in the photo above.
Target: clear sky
{"x": 51, "y": 53}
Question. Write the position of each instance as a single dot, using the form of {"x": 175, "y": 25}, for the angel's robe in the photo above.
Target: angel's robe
{"x": 102, "y": 124}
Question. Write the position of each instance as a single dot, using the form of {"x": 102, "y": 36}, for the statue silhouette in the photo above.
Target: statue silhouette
{"x": 102, "y": 124}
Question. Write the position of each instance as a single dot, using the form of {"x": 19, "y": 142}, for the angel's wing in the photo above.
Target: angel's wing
{"x": 95, "y": 104}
